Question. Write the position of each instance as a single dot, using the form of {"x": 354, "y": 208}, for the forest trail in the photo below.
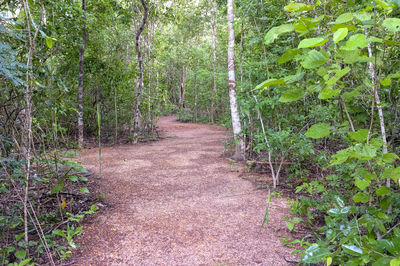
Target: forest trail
{"x": 177, "y": 201}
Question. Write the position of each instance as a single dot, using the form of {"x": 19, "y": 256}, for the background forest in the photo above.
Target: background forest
{"x": 317, "y": 90}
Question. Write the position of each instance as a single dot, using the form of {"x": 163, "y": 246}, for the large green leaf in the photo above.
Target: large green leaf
{"x": 382, "y": 191}
{"x": 312, "y": 42}
{"x": 360, "y": 135}
{"x": 288, "y": 55}
{"x": 355, "y": 41}
{"x": 315, "y": 254}
{"x": 328, "y": 93}
{"x": 297, "y": 7}
{"x": 338, "y": 75}
{"x": 362, "y": 183}
{"x": 361, "y": 197}
{"x": 340, "y": 34}
{"x": 291, "y": 95}
{"x": 344, "y": 18}
{"x": 392, "y": 24}
{"x": 318, "y": 131}
{"x": 274, "y": 33}
{"x": 352, "y": 250}
{"x": 269, "y": 82}
{"x": 314, "y": 59}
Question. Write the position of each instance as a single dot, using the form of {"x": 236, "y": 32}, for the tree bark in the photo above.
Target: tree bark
{"x": 81, "y": 76}
{"x": 237, "y": 128}
{"x": 182, "y": 89}
{"x": 214, "y": 51}
{"x": 140, "y": 63}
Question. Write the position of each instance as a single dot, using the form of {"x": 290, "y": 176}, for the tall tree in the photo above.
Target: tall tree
{"x": 140, "y": 64}
{"x": 214, "y": 52}
{"x": 237, "y": 128}
{"x": 81, "y": 75}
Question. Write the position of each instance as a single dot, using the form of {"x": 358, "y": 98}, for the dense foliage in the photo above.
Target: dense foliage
{"x": 318, "y": 92}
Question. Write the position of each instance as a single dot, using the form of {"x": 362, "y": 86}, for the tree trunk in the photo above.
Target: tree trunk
{"x": 140, "y": 63}
{"x": 81, "y": 75}
{"x": 182, "y": 89}
{"x": 214, "y": 51}
{"x": 196, "y": 96}
{"x": 237, "y": 128}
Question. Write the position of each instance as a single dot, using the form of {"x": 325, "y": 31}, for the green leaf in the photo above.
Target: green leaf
{"x": 338, "y": 75}
{"x": 340, "y": 34}
{"x": 312, "y": 42}
{"x": 315, "y": 254}
{"x": 73, "y": 178}
{"x": 84, "y": 190}
{"x": 363, "y": 16}
{"x": 269, "y": 82}
{"x": 360, "y": 135}
{"x": 344, "y": 18}
{"x": 297, "y": 7}
{"x": 49, "y": 41}
{"x": 57, "y": 188}
{"x": 318, "y": 131}
{"x": 352, "y": 250}
{"x": 291, "y": 95}
{"x": 362, "y": 184}
{"x": 288, "y": 55}
{"x": 20, "y": 254}
{"x": 395, "y": 262}
{"x": 24, "y": 262}
{"x": 355, "y": 41}
{"x": 361, "y": 197}
{"x": 314, "y": 59}
{"x": 390, "y": 157}
{"x": 274, "y": 33}
{"x": 392, "y": 24}
{"x": 328, "y": 93}
{"x": 382, "y": 191}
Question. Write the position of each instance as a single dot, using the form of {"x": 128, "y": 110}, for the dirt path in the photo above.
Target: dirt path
{"x": 178, "y": 202}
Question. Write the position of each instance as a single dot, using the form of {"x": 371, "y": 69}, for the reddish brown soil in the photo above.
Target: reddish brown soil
{"x": 179, "y": 202}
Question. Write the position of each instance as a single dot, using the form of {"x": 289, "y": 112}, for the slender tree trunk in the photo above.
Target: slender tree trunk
{"x": 214, "y": 51}
{"x": 140, "y": 62}
{"x": 182, "y": 89}
{"x": 81, "y": 76}
{"x": 196, "y": 96}
{"x": 374, "y": 80}
{"x": 237, "y": 128}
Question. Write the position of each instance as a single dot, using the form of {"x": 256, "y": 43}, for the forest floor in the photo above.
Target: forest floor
{"x": 178, "y": 201}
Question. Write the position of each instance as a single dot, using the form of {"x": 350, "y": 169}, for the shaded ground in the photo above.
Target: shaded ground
{"x": 179, "y": 202}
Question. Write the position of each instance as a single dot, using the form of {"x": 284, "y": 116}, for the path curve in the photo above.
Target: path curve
{"x": 179, "y": 202}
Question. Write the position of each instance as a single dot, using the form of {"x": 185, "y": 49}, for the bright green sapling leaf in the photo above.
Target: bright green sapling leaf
{"x": 362, "y": 183}
{"x": 355, "y": 41}
{"x": 361, "y": 197}
{"x": 315, "y": 253}
{"x": 344, "y": 18}
{"x": 392, "y": 24}
{"x": 314, "y": 59}
{"x": 288, "y": 55}
{"x": 328, "y": 93}
{"x": 291, "y": 95}
{"x": 269, "y": 82}
{"x": 297, "y": 7}
{"x": 382, "y": 191}
{"x": 340, "y": 34}
{"x": 360, "y": 135}
{"x": 20, "y": 254}
{"x": 318, "y": 131}
{"x": 352, "y": 250}
{"x": 312, "y": 42}
{"x": 274, "y": 33}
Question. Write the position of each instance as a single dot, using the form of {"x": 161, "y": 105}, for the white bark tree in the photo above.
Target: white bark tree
{"x": 237, "y": 128}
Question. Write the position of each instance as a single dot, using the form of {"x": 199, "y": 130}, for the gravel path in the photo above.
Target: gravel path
{"x": 179, "y": 202}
